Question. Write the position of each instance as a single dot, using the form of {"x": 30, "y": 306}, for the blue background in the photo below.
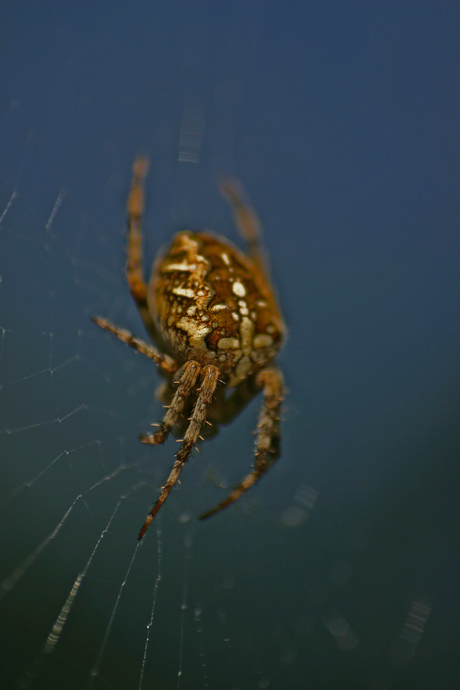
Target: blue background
{"x": 341, "y": 119}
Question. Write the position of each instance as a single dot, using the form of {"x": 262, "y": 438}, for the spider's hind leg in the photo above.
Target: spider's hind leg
{"x": 210, "y": 378}
{"x": 268, "y": 436}
{"x": 134, "y": 250}
{"x": 248, "y": 223}
{"x": 135, "y": 209}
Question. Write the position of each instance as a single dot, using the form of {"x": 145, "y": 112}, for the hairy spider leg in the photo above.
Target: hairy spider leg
{"x": 210, "y": 377}
{"x": 267, "y": 445}
{"x": 248, "y": 224}
{"x": 164, "y": 361}
{"x": 186, "y": 383}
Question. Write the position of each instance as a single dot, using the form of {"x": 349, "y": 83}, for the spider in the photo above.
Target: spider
{"x": 212, "y": 312}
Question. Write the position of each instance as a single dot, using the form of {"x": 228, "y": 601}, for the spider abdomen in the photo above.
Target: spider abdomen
{"x": 211, "y": 304}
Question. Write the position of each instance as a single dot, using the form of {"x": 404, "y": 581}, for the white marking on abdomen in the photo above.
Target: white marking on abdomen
{"x": 184, "y": 292}
{"x": 239, "y": 289}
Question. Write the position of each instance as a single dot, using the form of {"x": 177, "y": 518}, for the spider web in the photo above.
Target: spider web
{"x": 314, "y": 574}
{"x": 77, "y": 585}
{"x": 84, "y": 603}
{"x": 79, "y": 590}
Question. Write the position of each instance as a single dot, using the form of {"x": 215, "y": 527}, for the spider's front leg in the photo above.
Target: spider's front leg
{"x": 186, "y": 383}
{"x": 267, "y": 446}
{"x": 210, "y": 377}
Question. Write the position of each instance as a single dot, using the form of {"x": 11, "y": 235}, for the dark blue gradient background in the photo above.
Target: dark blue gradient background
{"x": 342, "y": 120}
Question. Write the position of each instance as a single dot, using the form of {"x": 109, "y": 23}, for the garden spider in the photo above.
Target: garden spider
{"x": 213, "y": 314}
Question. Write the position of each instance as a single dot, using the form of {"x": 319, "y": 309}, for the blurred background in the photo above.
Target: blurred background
{"x": 340, "y": 569}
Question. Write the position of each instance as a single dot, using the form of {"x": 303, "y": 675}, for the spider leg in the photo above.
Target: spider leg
{"x": 136, "y": 202}
{"x": 134, "y": 263}
{"x": 247, "y": 222}
{"x": 210, "y": 376}
{"x": 227, "y": 406}
{"x": 186, "y": 383}
{"x": 267, "y": 437}
{"x": 164, "y": 361}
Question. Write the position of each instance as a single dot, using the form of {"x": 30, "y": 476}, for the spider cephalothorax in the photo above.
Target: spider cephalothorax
{"x": 213, "y": 311}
